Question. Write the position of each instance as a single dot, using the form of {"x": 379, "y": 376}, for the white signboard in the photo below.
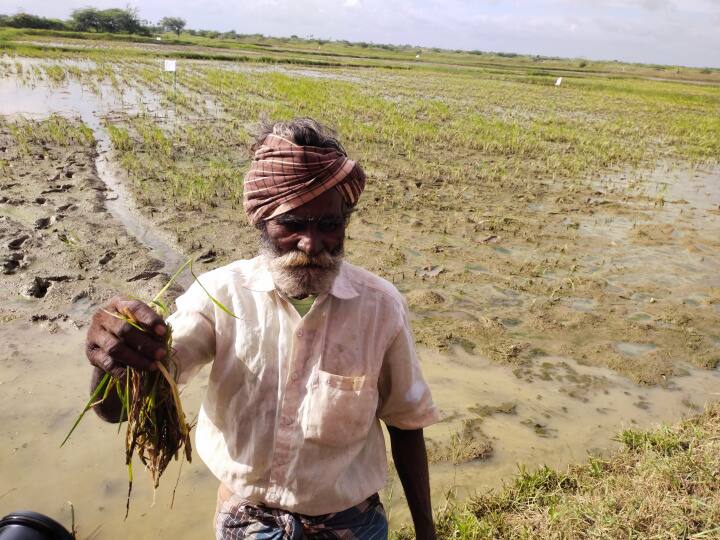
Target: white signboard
{"x": 558, "y": 82}
{"x": 170, "y": 65}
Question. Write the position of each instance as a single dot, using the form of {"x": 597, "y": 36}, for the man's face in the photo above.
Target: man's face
{"x": 304, "y": 247}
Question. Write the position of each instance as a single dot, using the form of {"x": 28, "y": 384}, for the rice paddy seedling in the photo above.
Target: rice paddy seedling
{"x": 120, "y": 138}
{"x": 55, "y": 73}
{"x": 157, "y": 430}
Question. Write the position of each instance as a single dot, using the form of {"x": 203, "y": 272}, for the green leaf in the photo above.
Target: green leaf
{"x": 210, "y": 296}
{"x": 100, "y": 388}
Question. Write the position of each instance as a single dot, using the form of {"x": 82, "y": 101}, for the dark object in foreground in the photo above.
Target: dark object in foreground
{"x": 26, "y": 525}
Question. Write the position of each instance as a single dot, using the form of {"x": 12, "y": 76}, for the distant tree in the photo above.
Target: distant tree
{"x": 173, "y": 24}
{"x": 151, "y": 29}
{"x": 111, "y": 20}
{"x": 212, "y": 34}
{"x": 107, "y": 20}
{"x": 120, "y": 20}
{"x": 25, "y": 20}
{"x": 86, "y": 19}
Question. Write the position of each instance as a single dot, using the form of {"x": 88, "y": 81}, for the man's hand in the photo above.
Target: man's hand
{"x": 410, "y": 457}
{"x": 113, "y": 344}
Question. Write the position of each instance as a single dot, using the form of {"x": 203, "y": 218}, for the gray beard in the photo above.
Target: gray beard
{"x": 297, "y": 274}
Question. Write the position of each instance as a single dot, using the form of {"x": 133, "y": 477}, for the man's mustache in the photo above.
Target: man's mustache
{"x": 297, "y": 259}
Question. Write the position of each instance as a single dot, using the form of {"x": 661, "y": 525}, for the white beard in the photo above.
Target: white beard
{"x": 298, "y": 275}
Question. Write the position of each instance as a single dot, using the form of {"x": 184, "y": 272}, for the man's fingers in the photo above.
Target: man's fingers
{"x": 113, "y": 343}
{"x": 146, "y": 346}
{"x": 116, "y": 325}
{"x": 100, "y": 359}
{"x": 141, "y": 342}
{"x": 125, "y": 355}
{"x": 119, "y": 352}
{"x": 142, "y": 313}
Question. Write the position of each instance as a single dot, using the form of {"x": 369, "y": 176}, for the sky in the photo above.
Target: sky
{"x": 676, "y": 32}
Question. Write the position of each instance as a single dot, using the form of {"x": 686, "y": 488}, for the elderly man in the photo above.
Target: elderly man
{"x": 321, "y": 351}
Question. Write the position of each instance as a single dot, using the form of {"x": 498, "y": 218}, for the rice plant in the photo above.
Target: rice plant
{"x": 157, "y": 430}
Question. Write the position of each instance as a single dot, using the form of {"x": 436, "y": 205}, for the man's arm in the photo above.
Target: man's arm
{"x": 410, "y": 457}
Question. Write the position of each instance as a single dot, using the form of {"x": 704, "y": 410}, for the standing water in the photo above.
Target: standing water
{"x": 39, "y": 101}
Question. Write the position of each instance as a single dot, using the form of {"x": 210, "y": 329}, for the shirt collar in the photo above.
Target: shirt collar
{"x": 259, "y": 279}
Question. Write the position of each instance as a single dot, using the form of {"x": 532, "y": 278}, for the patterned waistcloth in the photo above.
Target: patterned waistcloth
{"x": 237, "y": 521}
{"x": 284, "y": 175}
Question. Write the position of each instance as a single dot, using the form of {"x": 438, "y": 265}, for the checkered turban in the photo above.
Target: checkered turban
{"x": 284, "y": 175}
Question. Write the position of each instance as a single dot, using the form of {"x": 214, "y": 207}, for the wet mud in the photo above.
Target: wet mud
{"x": 64, "y": 254}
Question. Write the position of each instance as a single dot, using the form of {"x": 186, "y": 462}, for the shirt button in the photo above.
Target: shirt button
{"x": 287, "y": 420}
{"x": 300, "y": 333}
{"x": 294, "y": 376}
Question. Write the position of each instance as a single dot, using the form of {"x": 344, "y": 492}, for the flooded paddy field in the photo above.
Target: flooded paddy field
{"x": 558, "y": 248}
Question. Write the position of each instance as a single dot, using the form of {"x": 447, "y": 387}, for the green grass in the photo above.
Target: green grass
{"x": 56, "y": 129}
{"x": 561, "y": 134}
{"x": 663, "y": 483}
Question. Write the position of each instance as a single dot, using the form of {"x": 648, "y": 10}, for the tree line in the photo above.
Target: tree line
{"x": 128, "y": 21}
{"x": 113, "y": 20}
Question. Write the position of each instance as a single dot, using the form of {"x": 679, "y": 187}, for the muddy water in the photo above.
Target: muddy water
{"x": 71, "y": 99}
{"x": 663, "y": 246}
{"x": 557, "y": 419}
{"x": 577, "y": 410}
{"x": 43, "y": 382}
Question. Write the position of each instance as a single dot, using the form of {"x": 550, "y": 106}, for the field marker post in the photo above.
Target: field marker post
{"x": 171, "y": 65}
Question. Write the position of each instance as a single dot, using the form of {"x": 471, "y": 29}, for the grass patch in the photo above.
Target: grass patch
{"x": 663, "y": 483}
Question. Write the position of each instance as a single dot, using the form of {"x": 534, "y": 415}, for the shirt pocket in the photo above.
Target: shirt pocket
{"x": 341, "y": 409}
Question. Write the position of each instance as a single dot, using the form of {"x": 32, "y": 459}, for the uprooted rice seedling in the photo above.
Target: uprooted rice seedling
{"x": 157, "y": 430}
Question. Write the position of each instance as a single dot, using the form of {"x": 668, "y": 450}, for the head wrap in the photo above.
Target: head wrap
{"x": 285, "y": 175}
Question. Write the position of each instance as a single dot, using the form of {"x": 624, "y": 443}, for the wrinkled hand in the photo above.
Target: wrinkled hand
{"x": 112, "y": 343}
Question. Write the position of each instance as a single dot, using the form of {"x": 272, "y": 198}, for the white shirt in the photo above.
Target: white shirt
{"x": 290, "y": 417}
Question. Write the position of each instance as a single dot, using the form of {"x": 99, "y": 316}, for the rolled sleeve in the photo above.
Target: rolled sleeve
{"x": 193, "y": 331}
{"x": 405, "y": 398}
